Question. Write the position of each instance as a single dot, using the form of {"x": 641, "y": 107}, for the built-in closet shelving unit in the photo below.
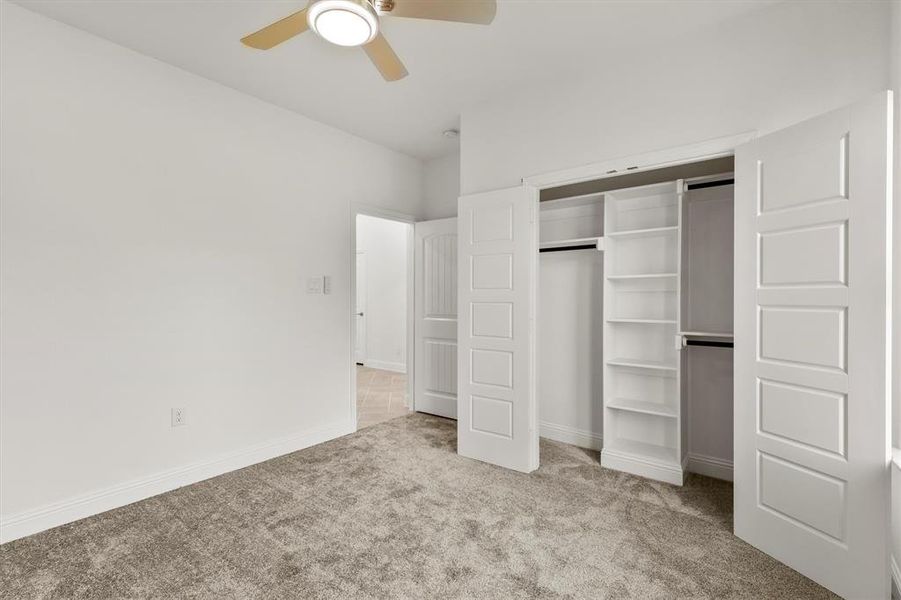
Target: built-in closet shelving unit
{"x": 642, "y": 403}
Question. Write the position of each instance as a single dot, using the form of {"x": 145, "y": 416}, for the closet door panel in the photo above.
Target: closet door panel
{"x": 492, "y": 319}
{"x": 498, "y": 250}
{"x": 809, "y": 255}
{"x": 812, "y": 350}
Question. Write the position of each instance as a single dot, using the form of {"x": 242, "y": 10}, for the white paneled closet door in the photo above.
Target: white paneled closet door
{"x": 812, "y": 225}
{"x": 435, "y": 333}
{"x": 498, "y": 288}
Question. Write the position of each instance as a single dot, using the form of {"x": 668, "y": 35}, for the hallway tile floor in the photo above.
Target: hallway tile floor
{"x": 381, "y": 396}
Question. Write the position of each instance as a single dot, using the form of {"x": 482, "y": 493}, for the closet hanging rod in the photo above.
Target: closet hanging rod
{"x": 565, "y": 248}
{"x": 710, "y": 343}
{"x": 709, "y": 184}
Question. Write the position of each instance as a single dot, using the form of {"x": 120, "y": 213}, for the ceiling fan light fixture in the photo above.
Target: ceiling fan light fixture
{"x": 344, "y": 22}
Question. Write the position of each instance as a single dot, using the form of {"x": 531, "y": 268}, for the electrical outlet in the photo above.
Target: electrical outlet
{"x": 178, "y": 417}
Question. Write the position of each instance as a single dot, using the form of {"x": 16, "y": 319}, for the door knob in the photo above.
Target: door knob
{"x": 359, "y": 314}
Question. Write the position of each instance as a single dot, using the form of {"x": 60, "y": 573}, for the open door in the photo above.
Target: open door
{"x": 435, "y": 333}
{"x": 812, "y": 346}
{"x": 498, "y": 250}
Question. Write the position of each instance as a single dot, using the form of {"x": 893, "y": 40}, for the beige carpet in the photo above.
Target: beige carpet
{"x": 393, "y": 512}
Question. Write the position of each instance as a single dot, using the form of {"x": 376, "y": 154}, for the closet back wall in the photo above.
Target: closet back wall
{"x": 157, "y": 231}
{"x": 571, "y": 325}
{"x": 570, "y": 342}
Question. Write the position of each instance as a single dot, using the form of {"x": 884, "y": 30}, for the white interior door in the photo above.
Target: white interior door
{"x": 435, "y": 332}
{"x": 812, "y": 347}
{"x": 498, "y": 288}
{"x": 360, "y": 310}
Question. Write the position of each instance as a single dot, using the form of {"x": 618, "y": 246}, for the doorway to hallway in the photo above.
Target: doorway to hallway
{"x": 381, "y": 318}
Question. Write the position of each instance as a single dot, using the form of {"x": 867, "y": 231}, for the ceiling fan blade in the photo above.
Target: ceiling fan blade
{"x": 464, "y": 11}
{"x": 278, "y": 32}
{"x": 385, "y": 60}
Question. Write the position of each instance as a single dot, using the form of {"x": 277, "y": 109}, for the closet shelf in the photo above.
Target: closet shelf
{"x": 641, "y": 364}
{"x": 653, "y": 452}
{"x": 706, "y": 334}
{"x": 597, "y": 242}
{"x": 641, "y": 276}
{"x": 640, "y": 233}
{"x": 643, "y": 406}
{"x": 646, "y": 321}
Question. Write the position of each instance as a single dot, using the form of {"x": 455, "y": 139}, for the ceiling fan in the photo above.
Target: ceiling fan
{"x": 356, "y": 23}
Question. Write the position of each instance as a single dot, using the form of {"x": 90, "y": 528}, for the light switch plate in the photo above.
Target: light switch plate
{"x": 315, "y": 285}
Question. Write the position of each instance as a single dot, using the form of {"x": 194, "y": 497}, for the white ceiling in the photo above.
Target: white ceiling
{"x": 451, "y": 65}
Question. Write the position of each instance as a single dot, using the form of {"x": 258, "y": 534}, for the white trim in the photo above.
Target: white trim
{"x": 358, "y": 208}
{"x": 670, "y": 157}
{"x": 636, "y": 465}
{"x": 896, "y": 579}
{"x": 384, "y": 365}
{"x": 710, "y": 466}
{"x": 66, "y": 511}
{"x": 570, "y": 435}
{"x": 895, "y": 568}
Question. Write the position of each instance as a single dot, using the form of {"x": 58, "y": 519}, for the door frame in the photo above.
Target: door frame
{"x": 356, "y": 307}
{"x": 356, "y": 209}
{"x": 649, "y": 161}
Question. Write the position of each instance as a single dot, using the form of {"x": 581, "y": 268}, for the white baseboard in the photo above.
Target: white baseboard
{"x": 636, "y": 465}
{"x": 570, "y": 435}
{"x": 59, "y": 513}
{"x": 397, "y": 367}
{"x": 896, "y": 579}
{"x": 710, "y": 466}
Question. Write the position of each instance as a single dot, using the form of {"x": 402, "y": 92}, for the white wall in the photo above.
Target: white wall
{"x": 776, "y": 66}
{"x": 157, "y": 230}
{"x": 442, "y": 186}
{"x": 385, "y": 246}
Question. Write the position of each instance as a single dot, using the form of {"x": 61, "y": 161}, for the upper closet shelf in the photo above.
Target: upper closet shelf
{"x": 643, "y": 276}
{"x": 643, "y": 321}
{"x": 640, "y": 233}
{"x": 634, "y": 363}
{"x": 706, "y": 334}
{"x": 573, "y": 244}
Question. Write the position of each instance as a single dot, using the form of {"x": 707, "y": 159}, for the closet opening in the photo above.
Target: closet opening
{"x": 635, "y": 312}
